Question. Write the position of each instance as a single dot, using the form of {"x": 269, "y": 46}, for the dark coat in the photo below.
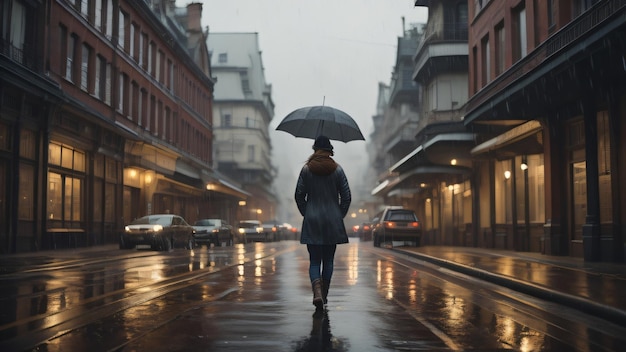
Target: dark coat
{"x": 323, "y": 198}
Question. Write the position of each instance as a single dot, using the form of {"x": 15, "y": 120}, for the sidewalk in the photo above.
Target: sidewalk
{"x": 595, "y": 288}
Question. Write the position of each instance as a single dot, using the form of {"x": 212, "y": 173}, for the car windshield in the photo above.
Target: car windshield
{"x": 153, "y": 220}
{"x": 248, "y": 225}
{"x": 402, "y": 216}
{"x": 205, "y": 223}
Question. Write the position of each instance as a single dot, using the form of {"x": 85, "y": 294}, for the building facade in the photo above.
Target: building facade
{"x": 541, "y": 126}
{"x": 243, "y": 109}
{"x": 106, "y": 116}
{"x": 433, "y": 177}
{"x": 552, "y": 74}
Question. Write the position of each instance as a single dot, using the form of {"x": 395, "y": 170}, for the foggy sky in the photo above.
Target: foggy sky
{"x": 325, "y": 51}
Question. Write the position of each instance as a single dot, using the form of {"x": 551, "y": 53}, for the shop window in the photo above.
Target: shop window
{"x": 64, "y": 197}
{"x": 503, "y": 192}
{"x": 28, "y": 144}
{"x": 26, "y": 200}
{"x": 66, "y": 157}
{"x": 604, "y": 168}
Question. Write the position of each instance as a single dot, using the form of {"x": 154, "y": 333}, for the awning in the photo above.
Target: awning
{"x": 511, "y": 136}
{"x": 426, "y": 170}
{"x": 439, "y": 140}
{"x": 222, "y": 186}
{"x": 186, "y": 169}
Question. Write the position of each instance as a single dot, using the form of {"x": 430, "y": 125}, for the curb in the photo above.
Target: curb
{"x": 612, "y": 314}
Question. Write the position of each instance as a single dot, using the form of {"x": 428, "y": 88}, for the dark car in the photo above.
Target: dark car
{"x": 396, "y": 224}
{"x": 216, "y": 231}
{"x": 161, "y": 232}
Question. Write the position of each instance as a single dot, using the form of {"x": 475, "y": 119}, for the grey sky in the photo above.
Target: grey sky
{"x": 337, "y": 49}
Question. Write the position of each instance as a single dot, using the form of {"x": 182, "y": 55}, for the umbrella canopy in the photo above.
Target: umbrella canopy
{"x": 313, "y": 121}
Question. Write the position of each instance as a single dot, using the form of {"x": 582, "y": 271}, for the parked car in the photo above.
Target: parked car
{"x": 216, "y": 231}
{"x": 252, "y": 231}
{"x": 161, "y": 232}
{"x": 396, "y": 224}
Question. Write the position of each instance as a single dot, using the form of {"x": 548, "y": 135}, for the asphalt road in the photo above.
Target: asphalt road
{"x": 257, "y": 297}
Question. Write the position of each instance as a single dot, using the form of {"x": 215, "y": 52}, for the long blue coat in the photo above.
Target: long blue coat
{"x": 323, "y": 198}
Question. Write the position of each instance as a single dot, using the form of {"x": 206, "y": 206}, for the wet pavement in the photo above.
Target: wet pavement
{"x": 596, "y": 288}
{"x": 257, "y": 298}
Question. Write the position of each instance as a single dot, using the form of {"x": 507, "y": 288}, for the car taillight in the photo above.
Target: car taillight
{"x": 390, "y": 224}
{"x": 414, "y": 224}
{"x": 366, "y": 228}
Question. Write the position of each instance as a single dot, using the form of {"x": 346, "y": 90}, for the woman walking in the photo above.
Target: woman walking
{"x": 323, "y": 198}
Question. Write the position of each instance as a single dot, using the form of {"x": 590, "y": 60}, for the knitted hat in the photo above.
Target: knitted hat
{"x": 322, "y": 142}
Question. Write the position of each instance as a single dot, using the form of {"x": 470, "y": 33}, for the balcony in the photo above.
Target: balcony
{"x": 26, "y": 56}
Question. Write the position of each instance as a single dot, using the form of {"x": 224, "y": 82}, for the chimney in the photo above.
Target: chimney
{"x": 194, "y": 16}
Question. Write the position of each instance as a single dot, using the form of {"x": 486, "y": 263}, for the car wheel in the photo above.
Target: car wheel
{"x": 191, "y": 244}
{"x": 376, "y": 241}
{"x": 230, "y": 242}
{"x": 166, "y": 244}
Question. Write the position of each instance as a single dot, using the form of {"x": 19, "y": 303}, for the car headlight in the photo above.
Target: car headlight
{"x": 215, "y": 230}
{"x": 126, "y": 228}
{"x": 242, "y": 231}
{"x": 259, "y": 229}
{"x": 157, "y": 228}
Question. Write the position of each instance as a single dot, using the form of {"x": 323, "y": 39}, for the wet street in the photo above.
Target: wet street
{"x": 257, "y": 297}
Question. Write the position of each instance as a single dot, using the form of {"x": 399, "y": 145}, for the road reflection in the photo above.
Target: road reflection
{"x": 321, "y": 337}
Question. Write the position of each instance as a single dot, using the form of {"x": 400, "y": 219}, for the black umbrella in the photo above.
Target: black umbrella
{"x": 313, "y": 121}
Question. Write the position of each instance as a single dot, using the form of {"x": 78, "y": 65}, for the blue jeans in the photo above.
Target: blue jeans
{"x": 321, "y": 261}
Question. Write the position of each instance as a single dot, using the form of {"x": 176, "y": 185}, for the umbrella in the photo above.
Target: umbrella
{"x": 313, "y": 121}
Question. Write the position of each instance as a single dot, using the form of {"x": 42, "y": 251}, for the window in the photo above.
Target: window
{"x": 143, "y": 42}
{"x": 100, "y": 77}
{"x": 28, "y": 144}
{"x": 520, "y": 48}
{"x": 98, "y": 15}
{"x": 84, "y": 8}
{"x": 227, "y": 120}
{"x": 64, "y": 189}
{"x": 122, "y": 31}
{"x": 141, "y": 103}
{"x": 245, "y": 82}
{"x": 107, "y": 84}
{"x": 503, "y": 192}
{"x": 159, "y": 61}
{"x": 64, "y": 197}
{"x": 123, "y": 81}
{"x": 71, "y": 52}
{"x": 66, "y": 157}
{"x": 84, "y": 71}
{"x": 26, "y": 201}
{"x": 151, "y": 58}
{"x": 133, "y": 32}
{"x": 486, "y": 61}
{"x": 500, "y": 43}
{"x": 604, "y": 168}
{"x": 223, "y": 58}
{"x": 109, "y": 19}
{"x": 169, "y": 78}
{"x": 251, "y": 155}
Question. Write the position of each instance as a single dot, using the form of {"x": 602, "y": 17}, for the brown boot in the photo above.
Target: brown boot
{"x": 318, "y": 301}
{"x": 325, "y": 285}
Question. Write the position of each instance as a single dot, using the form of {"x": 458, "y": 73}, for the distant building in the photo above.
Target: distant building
{"x": 242, "y": 110}
{"x": 106, "y": 115}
